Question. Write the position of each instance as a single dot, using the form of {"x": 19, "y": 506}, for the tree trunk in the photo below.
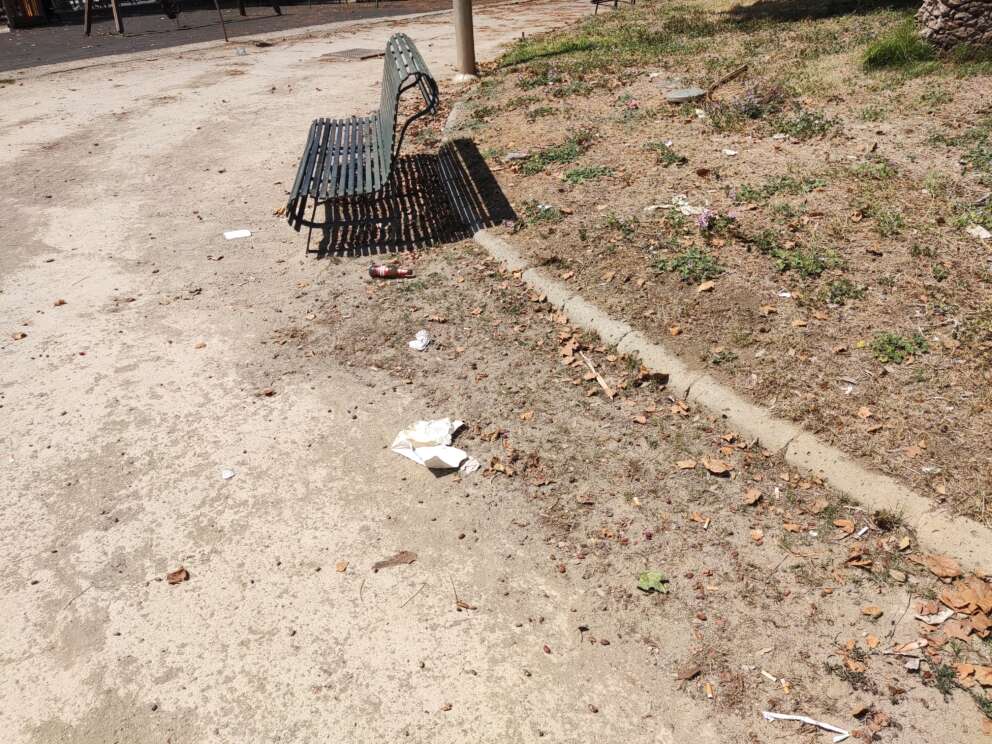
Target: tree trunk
{"x": 948, "y": 23}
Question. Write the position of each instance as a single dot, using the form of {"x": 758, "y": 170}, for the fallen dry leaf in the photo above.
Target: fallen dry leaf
{"x": 792, "y": 527}
{"x": 844, "y": 524}
{"x": 864, "y": 412}
{"x": 686, "y": 464}
{"x": 717, "y": 467}
{"x": 178, "y": 576}
{"x": 942, "y": 566}
{"x": 751, "y": 497}
{"x": 341, "y": 566}
{"x": 757, "y": 536}
{"x": 983, "y": 675}
{"x": 526, "y": 415}
{"x": 872, "y": 611}
{"x": 402, "y": 558}
{"x": 706, "y": 286}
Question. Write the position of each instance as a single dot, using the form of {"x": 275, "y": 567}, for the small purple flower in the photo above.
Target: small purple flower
{"x": 706, "y": 219}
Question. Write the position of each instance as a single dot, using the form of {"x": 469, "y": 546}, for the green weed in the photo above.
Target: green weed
{"x": 665, "y": 155}
{"x": 805, "y": 125}
{"x": 891, "y": 348}
{"x": 902, "y": 47}
{"x": 840, "y": 291}
{"x": 692, "y": 265}
{"x": 587, "y": 173}
{"x": 566, "y": 152}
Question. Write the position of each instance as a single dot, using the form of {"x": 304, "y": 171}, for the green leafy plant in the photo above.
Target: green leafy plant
{"x": 587, "y": 173}
{"x": 665, "y": 155}
{"x": 692, "y": 265}
{"x": 535, "y": 212}
{"x": 891, "y": 348}
{"x": 840, "y": 291}
{"x": 652, "y": 581}
{"x": 805, "y": 125}
{"x": 566, "y": 152}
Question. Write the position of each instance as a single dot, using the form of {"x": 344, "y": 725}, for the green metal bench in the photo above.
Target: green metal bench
{"x": 350, "y": 159}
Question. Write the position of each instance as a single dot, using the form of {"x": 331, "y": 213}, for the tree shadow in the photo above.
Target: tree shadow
{"x": 431, "y": 199}
{"x": 801, "y": 10}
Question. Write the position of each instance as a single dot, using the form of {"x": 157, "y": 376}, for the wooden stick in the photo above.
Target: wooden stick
{"x": 118, "y": 21}
{"x": 88, "y": 17}
{"x": 599, "y": 378}
{"x": 241, "y": 8}
{"x": 726, "y": 79}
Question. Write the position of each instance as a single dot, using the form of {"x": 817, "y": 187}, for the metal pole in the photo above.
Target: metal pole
{"x": 221, "y": 16}
{"x": 464, "y": 40}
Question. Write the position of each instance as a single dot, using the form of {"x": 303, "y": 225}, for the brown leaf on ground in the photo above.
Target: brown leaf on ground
{"x": 686, "y": 464}
{"x": 844, "y": 524}
{"x": 872, "y": 611}
{"x": 706, "y": 286}
{"x": 792, "y": 527}
{"x": 178, "y": 576}
{"x": 865, "y": 412}
{"x": 402, "y": 558}
{"x": 983, "y": 675}
{"x": 942, "y": 566}
{"x": 341, "y": 566}
{"x": 959, "y": 629}
{"x": 751, "y": 497}
{"x": 687, "y": 672}
{"x": 717, "y": 467}
{"x": 757, "y": 536}
{"x": 819, "y": 505}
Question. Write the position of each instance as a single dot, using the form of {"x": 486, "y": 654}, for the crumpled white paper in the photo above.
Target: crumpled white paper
{"x": 420, "y": 341}
{"x": 428, "y": 443}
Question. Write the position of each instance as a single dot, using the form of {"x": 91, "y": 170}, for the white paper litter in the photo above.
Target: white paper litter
{"x": 977, "y": 231}
{"x": 469, "y": 466}
{"x": 421, "y": 341}
{"x": 937, "y": 619}
{"x": 729, "y": 153}
{"x": 681, "y": 203}
{"x": 841, "y": 733}
{"x": 784, "y": 294}
{"x": 235, "y": 234}
{"x": 227, "y": 474}
{"x": 428, "y": 443}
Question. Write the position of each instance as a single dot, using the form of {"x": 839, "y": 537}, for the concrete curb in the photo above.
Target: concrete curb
{"x": 939, "y": 532}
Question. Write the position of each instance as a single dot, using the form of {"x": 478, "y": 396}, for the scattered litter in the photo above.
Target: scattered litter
{"x": 403, "y": 558}
{"x": 700, "y": 114}
{"x": 681, "y": 203}
{"x": 784, "y": 294}
{"x": 512, "y": 156}
{"x": 862, "y": 532}
{"x": 913, "y": 664}
{"x": 421, "y": 341}
{"x": 977, "y": 231}
{"x": 385, "y": 271}
{"x": 652, "y": 581}
{"x": 469, "y": 466}
{"x": 729, "y": 153}
{"x": 227, "y": 473}
{"x": 684, "y": 95}
{"x": 241, "y": 52}
{"x": 780, "y": 136}
{"x": 937, "y": 618}
{"x": 178, "y": 576}
{"x": 769, "y": 676}
{"x": 428, "y": 443}
{"x": 235, "y": 234}
{"x": 841, "y": 733}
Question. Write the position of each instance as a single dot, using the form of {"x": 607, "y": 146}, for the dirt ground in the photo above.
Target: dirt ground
{"x": 145, "y": 355}
{"x": 847, "y": 293}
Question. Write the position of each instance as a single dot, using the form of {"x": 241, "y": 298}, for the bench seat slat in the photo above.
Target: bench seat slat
{"x": 356, "y": 156}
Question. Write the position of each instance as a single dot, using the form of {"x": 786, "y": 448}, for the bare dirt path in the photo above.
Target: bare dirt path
{"x": 121, "y": 407}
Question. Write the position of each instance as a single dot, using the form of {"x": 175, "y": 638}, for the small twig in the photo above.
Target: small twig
{"x": 726, "y": 79}
{"x": 892, "y": 631}
{"x": 80, "y": 594}
{"x": 599, "y": 378}
{"x": 453, "y": 591}
{"x": 361, "y": 587}
{"x": 413, "y": 595}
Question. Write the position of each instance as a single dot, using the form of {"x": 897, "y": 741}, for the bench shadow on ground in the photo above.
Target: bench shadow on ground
{"x": 433, "y": 199}
{"x": 800, "y": 10}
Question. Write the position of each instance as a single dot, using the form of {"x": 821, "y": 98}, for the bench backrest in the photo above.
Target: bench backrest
{"x": 403, "y": 69}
